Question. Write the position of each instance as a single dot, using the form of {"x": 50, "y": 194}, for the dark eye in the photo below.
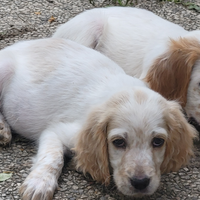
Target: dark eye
{"x": 120, "y": 143}
{"x": 157, "y": 142}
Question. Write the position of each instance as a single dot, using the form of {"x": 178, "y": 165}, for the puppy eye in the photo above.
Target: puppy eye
{"x": 157, "y": 142}
{"x": 120, "y": 143}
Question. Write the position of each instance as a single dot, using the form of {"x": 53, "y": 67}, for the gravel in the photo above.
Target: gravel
{"x": 27, "y": 19}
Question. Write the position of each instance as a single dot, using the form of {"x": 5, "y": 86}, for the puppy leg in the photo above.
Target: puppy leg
{"x": 42, "y": 181}
{"x": 5, "y": 133}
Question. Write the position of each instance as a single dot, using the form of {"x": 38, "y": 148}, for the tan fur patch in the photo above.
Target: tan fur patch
{"x": 43, "y": 65}
{"x": 140, "y": 96}
{"x": 179, "y": 145}
{"x": 92, "y": 148}
{"x": 119, "y": 99}
{"x": 170, "y": 73}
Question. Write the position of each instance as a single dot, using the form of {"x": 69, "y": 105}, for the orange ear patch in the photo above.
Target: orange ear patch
{"x": 170, "y": 73}
{"x": 179, "y": 145}
{"x": 92, "y": 148}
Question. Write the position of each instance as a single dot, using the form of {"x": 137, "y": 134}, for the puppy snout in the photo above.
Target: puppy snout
{"x": 140, "y": 183}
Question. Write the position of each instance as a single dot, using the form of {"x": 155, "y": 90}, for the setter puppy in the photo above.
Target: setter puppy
{"x": 65, "y": 96}
{"x": 146, "y": 46}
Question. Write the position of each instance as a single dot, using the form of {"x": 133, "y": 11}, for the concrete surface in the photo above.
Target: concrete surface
{"x": 28, "y": 19}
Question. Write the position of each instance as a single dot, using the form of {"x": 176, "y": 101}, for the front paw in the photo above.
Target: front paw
{"x": 5, "y": 133}
{"x": 38, "y": 186}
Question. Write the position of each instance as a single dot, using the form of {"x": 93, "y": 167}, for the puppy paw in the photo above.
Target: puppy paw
{"x": 38, "y": 186}
{"x": 5, "y": 133}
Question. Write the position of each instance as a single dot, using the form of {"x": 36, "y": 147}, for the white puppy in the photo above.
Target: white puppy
{"x": 146, "y": 46}
{"x": 65, "y": 96}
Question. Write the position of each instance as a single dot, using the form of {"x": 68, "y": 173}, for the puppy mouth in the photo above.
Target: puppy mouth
{"x": 141, "y": 193}
{"x": 194, "y": 122}
{"x": 136, "y": 193}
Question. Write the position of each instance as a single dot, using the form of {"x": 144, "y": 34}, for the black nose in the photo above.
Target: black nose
{"x": 140, "y": 183}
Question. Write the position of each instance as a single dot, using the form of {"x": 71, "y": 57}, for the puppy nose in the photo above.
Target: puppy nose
{"x": 140, "y": 183}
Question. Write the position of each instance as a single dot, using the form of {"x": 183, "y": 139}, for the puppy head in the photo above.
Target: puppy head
{"x": 174, "y": 71}
{"x": 136, "y": 134}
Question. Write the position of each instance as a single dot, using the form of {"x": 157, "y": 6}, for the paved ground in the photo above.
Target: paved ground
{"x": 26, "y": 19}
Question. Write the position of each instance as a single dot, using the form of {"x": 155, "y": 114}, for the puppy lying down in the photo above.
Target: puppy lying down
{"x": 65, "y": 96}
{"x": 146, "y": 46}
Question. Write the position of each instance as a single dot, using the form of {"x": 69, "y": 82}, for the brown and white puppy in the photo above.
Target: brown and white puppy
{"x": 146, "y": 46}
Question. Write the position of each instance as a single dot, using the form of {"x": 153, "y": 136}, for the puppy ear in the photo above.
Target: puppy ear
{"x": 179, "y": 145}
{"x": 170, "y": 73}
{"x": 92, "y": 148}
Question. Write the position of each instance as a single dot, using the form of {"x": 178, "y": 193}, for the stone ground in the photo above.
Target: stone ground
{"x": 28, "y": 19}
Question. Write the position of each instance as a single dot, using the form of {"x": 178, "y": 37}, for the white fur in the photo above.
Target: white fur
{"x": 50, "y": 86}
{"x": 133, "y": 38}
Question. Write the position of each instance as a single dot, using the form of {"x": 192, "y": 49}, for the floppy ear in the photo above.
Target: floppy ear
{"x": 170, "y": 73}
{"x": 92, "y": 148}
{"x": 179, "y": 145}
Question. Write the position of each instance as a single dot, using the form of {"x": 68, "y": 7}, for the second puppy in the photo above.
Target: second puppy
{"x": 146, "y": 46}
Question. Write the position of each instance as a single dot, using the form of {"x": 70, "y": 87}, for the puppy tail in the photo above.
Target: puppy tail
{"x": 86, "y": 28}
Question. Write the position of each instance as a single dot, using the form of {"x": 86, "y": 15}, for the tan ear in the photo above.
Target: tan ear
{"x": 179, "y": 145}
{"x": 170, "y": 73}
{"x": 92, "y": 149}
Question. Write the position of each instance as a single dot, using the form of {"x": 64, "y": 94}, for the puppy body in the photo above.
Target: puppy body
{"x": 145, "y": 46}
{"x": 44, "y": 86}
{"x": 65, "y": 96}
{"x": 131, "y": 37}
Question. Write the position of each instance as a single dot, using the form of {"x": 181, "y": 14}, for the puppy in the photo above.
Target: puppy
{"x": 64, "y": 95}
{"x": 146, "y": 46}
